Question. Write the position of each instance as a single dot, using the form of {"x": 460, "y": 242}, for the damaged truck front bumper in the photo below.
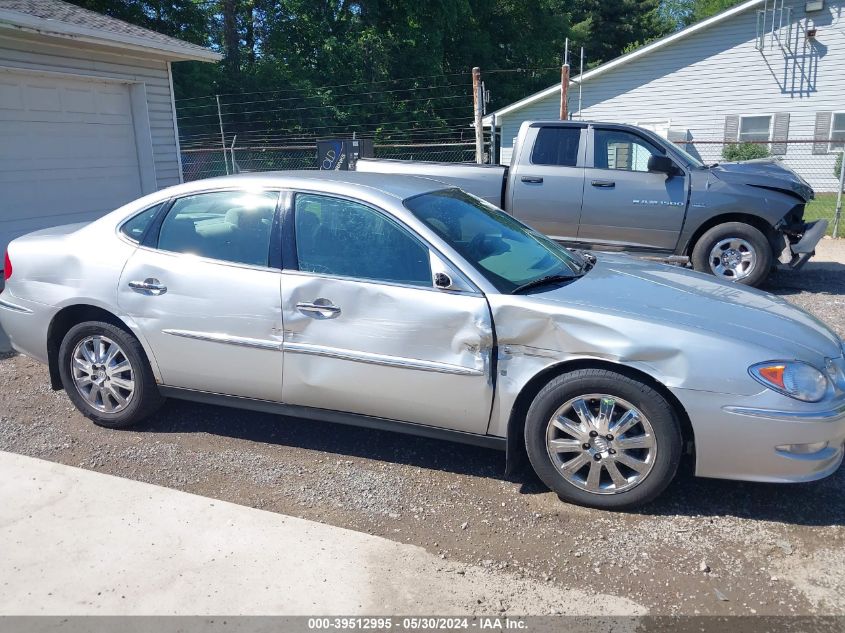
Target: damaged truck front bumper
{"x": 798, "y": 243}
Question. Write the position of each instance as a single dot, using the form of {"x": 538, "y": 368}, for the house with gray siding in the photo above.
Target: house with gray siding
{"x": 87, "y": 118}
{"x": 764, "y": 71}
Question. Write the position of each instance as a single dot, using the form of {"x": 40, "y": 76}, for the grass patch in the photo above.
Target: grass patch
{"x": 823, "y": 207}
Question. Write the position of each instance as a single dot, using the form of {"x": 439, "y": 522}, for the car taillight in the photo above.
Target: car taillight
{"x": 7, "y": 267}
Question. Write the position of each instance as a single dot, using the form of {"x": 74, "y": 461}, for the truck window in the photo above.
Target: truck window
{"x": 556, "y": 146}
{"x": 615, "y": 149}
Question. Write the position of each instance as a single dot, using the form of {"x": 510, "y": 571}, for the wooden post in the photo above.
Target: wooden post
{"x": 564, "y": 92}
{"x": 477, "y": 102}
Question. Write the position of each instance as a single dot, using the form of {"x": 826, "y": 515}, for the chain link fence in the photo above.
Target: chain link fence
{"x": 809, "y": 158}
{"x": 207, "y": 162}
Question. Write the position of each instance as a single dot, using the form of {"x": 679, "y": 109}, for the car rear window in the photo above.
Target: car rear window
{"x": 230, "y": 226}
{"x": 556, "y": 146}
{"x": 135, "y": 227}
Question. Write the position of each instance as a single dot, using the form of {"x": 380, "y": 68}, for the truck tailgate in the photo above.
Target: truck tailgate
{"x": 484, "y": 181}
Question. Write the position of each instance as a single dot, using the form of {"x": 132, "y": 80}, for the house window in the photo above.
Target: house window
{"x": 755, "y": 129}
{"x": 837, "y": 132}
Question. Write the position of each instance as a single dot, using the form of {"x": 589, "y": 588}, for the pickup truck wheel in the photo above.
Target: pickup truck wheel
{"x": 106, "y": 375}
{"x": 734, "y": 251}
{"x": 602, "y": 439}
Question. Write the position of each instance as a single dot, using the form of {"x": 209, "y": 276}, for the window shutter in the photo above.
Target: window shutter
{"x": 821, "y": 135}
{"x": 780, "y": 133}
{"x": 731, "y": 128}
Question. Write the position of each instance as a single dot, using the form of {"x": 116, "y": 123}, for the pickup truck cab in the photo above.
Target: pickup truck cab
{"x": 609, "y": 186}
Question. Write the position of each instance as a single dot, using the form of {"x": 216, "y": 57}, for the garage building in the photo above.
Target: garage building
{"x": 87, "y": 121}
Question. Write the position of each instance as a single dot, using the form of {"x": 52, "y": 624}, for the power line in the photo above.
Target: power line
{"x": 360, "y": 83}
{"x": 432, "y": 133}
{"x": 345, "y": 105}
{"x": 460, "y": 86}
{"x": 320, "y": 117}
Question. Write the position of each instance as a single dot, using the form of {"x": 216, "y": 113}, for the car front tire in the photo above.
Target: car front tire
{"x": 734, "y": 251}
{"x": 106, "y": 375}
{"x": 602, "y": 439}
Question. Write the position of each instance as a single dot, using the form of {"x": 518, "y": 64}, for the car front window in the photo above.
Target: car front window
{"x": 508, "y": 253}
{"x": 616, "y": 149}
{"x": 342, "y": 238}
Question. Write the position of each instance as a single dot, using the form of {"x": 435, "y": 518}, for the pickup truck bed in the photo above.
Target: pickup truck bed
{"x": 485, "y": 181}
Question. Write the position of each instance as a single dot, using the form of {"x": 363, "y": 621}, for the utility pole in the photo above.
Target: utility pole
{"x": 564, "y": 84}
{"x": 478, "y": 104}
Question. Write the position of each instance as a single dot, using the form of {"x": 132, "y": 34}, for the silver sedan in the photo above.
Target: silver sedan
{"x": 399, "y": 303}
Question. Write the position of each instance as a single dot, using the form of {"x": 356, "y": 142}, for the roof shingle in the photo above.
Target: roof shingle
{"x": 69, "y": 14}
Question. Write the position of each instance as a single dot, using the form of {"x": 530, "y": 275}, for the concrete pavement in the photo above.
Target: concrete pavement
{"x": 77, "y": 542}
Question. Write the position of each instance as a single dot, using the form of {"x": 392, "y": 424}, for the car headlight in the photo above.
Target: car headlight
{"x": 792, "y": 378}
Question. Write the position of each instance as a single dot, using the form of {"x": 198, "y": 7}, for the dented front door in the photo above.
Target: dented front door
{"x": 391, "y": 351}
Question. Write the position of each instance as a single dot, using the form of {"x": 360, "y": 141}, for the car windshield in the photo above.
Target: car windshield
{"x": 693, "y": 161}
{"x": 508, "y": 253}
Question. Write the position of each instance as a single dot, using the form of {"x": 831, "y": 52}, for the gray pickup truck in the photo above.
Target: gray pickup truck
{"x": 608, "y": 186}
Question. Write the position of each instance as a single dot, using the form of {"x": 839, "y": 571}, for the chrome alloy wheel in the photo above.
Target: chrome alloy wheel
{"x": 102, "y": 374}
{"x": 733, "y": 258}
{"x": 601, "y": 443}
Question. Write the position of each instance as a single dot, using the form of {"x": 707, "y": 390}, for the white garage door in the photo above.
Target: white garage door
{"x": 67, "y": 151}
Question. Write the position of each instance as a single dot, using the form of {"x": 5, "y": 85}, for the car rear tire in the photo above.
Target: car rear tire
{"x": 601, "y": 439}
{"x": 734, "y": 251}
{"x": 107, "y": 376}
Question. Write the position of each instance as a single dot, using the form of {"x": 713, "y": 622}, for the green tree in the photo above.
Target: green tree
{"x": 681, "y": 13}
{"x": 307, "y": 67}
{"x": 614, "y": 26}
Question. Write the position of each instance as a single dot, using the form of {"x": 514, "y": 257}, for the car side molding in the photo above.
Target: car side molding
{"x": 337, "y": 417}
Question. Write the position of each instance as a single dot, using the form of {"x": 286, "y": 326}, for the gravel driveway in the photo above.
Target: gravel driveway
{"x": 707, "y": 546}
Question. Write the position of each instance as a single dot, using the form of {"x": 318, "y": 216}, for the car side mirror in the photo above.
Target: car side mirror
{"x": 661, "y": 165}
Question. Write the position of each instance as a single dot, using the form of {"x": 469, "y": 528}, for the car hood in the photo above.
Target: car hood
{"x": 765, "y": 173}
{"x": 655, "y": 293}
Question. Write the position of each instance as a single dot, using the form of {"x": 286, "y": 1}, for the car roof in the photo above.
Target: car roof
{"x": 393, "y": 185}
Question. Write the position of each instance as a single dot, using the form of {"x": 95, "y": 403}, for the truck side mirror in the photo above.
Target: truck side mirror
{"x": 661, "y": 164}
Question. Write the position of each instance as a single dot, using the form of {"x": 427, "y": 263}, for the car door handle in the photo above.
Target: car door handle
{"x": 607, "y": 184}
{"x": 319, "y": 309}
{"x": 149, "y": 286}
{"x": 537, "y": 180}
